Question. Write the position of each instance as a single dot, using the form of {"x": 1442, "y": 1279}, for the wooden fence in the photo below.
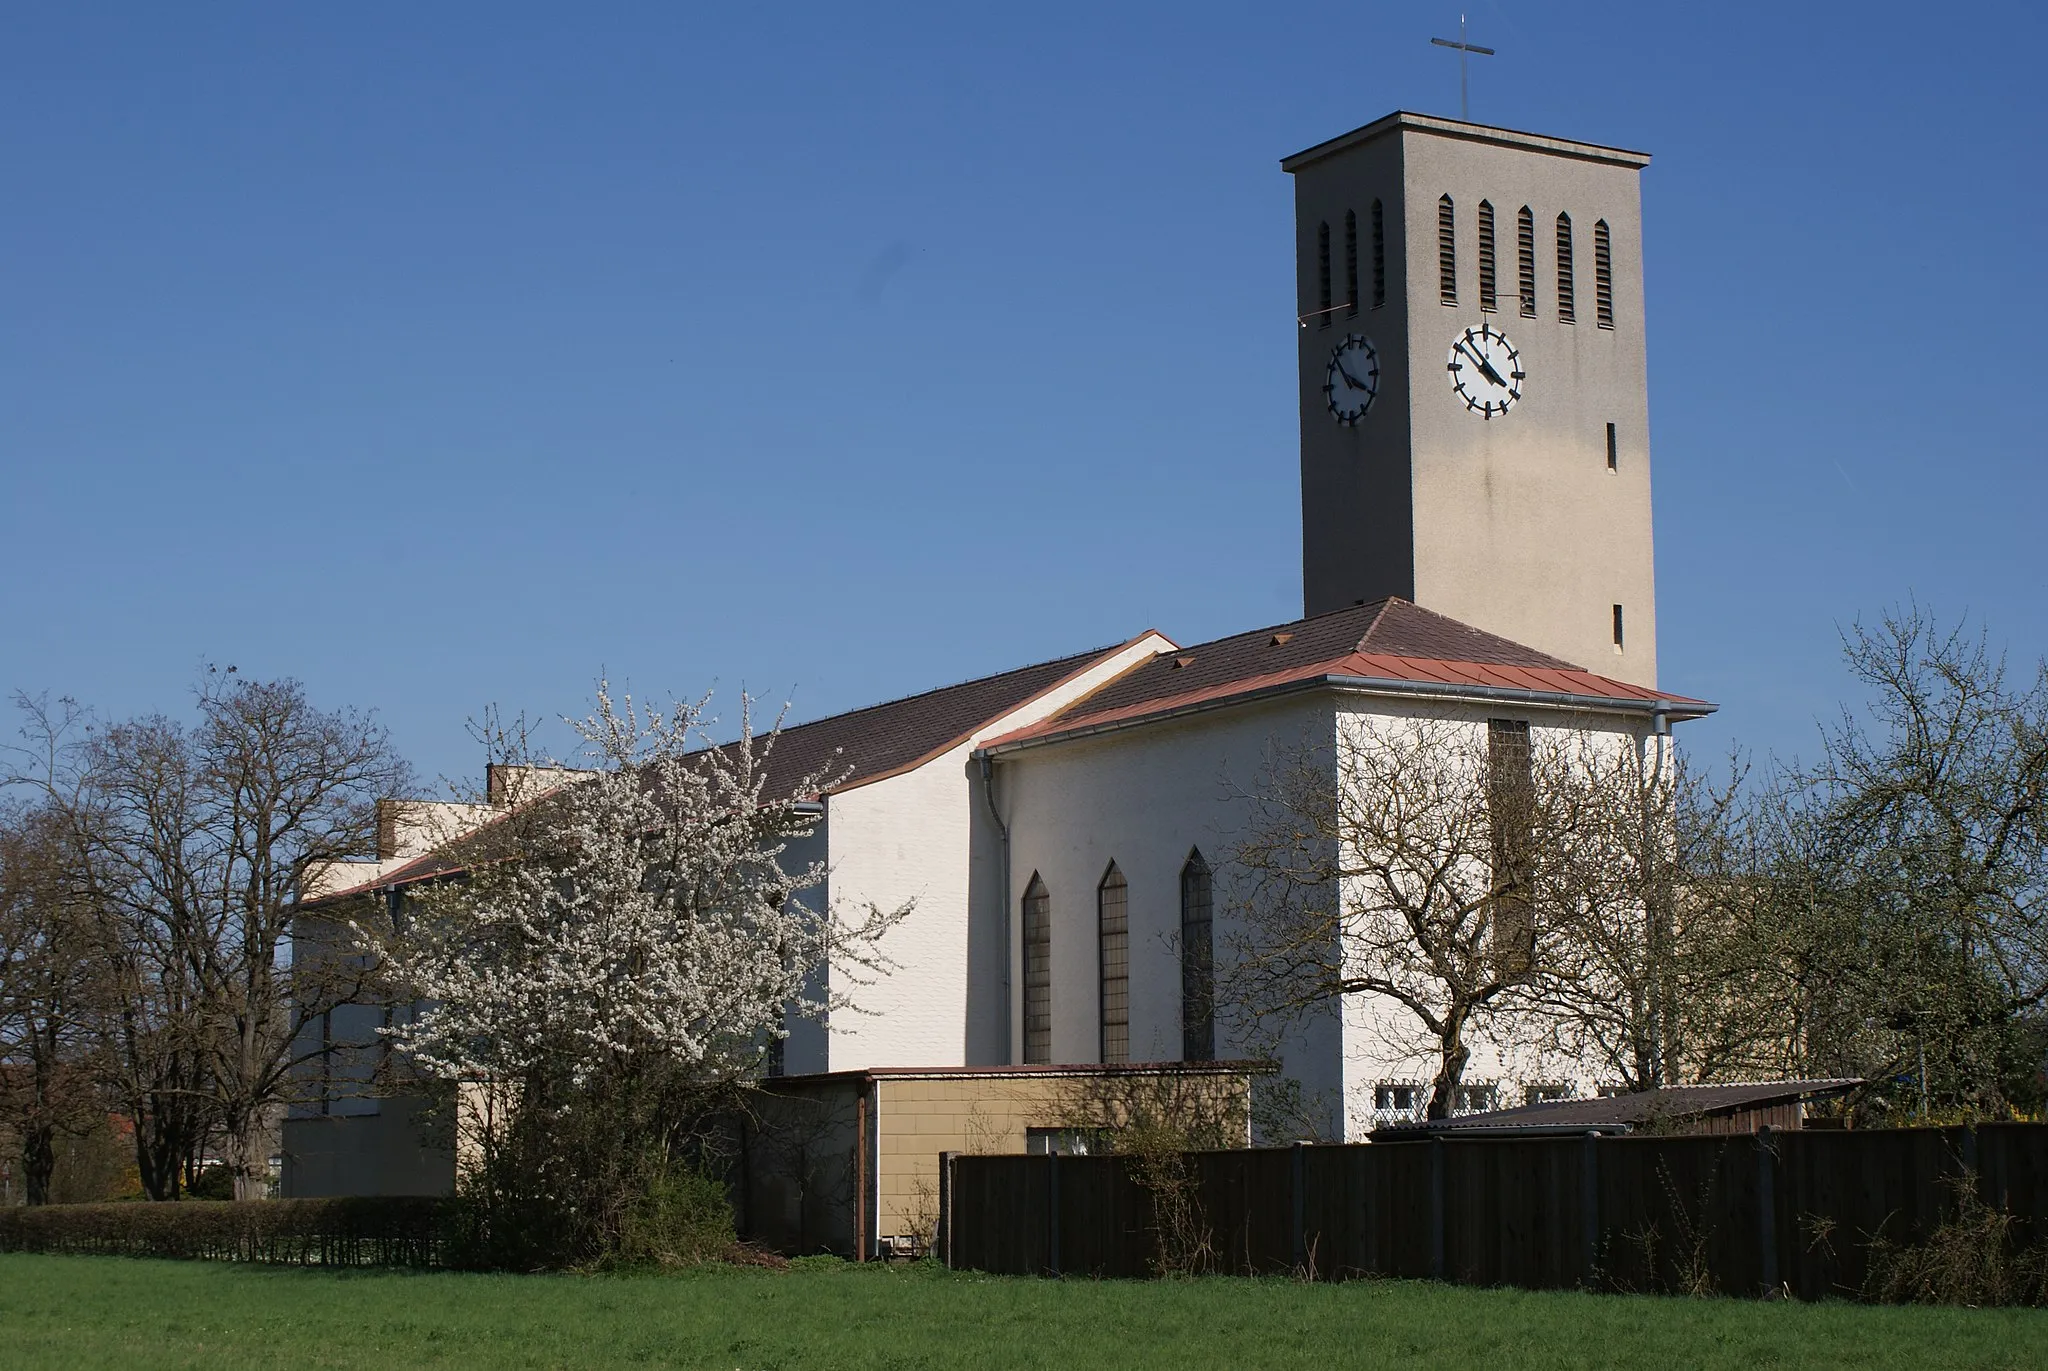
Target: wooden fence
{"x": 1775, "y": 1211}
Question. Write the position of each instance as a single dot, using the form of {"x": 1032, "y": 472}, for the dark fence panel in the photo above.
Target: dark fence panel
{"x": 1733, "y": 1214}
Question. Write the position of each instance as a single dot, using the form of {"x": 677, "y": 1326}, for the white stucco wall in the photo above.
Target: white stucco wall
{"x": 1146, "y": 798}
{"x": 925, "y": 838}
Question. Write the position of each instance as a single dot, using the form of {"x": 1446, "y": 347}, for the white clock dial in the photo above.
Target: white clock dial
{"x": 1486, "y": 371}
{"x": 1352, "y": 379}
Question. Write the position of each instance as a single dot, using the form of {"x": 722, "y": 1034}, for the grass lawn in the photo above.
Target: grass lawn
{"x": 115, "y": 1312}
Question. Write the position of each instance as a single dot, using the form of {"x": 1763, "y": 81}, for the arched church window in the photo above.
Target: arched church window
{"x": 1603, "y": 275}
{"x": 1525, "y": 260}
{"x": 1037, "y": 972}
{"x": 1379, "y": 256}
{"x": 1488, "y": 281}
{"x": 1323, "y": 275}
{"x": 1197, "y": 962}
{"x": 1113, "y": 925}
{"x": 1446, "y": 252}
{"x": 1351, "y": 261}
{"x": 1566, "y": 309}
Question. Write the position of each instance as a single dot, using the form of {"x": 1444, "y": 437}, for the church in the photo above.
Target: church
{"x": 1476, "y": 520}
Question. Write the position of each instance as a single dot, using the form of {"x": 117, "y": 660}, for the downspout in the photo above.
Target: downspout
{"x": 1659, "y": 910}
{"x": 988, "y": 793}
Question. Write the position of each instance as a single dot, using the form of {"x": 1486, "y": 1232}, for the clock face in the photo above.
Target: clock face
{"x": 1486, "y": 371}
{"x": 1353, "y": 379}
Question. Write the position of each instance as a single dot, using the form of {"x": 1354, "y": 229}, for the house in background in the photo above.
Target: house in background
{"x": 1476, "y": 551}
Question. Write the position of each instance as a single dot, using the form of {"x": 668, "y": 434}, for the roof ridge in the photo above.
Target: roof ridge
{"x": 1379, "y": 613}
{"x": 969, "y": 681}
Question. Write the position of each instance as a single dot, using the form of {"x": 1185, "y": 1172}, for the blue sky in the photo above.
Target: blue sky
{"x": 444, "y": 355}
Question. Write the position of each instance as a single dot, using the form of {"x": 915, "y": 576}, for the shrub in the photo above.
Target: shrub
{"x": 1972, "y": 1258}
{"x": 383, "y": 1231}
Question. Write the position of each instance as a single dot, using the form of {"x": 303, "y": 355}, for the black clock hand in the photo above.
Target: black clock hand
{"x": 1485, "y": 367}
{"x": 1349, "y": 379}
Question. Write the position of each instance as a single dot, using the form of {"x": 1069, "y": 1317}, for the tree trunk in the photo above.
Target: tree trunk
{"x": 159, "y": 1152}
{"x": 38, "y": 1161}
{"x": 250, "y": 1169}
{"x": 1450, "y": 1072}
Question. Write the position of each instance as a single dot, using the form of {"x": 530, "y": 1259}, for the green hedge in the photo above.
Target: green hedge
{"x": 385, "y": 1231}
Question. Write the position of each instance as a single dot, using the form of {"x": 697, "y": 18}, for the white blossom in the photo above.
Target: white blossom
{"x": 648, "y": 914}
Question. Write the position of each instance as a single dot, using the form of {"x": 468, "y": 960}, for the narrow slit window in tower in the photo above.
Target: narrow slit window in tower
{"x": 1525, "y": 260}
{"x": 1351, "y": 262}
{"x": 1613, "y": 451}
{"x": 1446, "y": 252}
{"x": 1379, "y": 256}
{"x": 1488, "y": 295}
{"x": 1603, "y": 275}
{"x": 1617, "y": 628}
{"x": 1566, "y": 313}
{"x": 1323, "y": 276}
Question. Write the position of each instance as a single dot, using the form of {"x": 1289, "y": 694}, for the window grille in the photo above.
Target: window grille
{"x": 1379, "y": 256}
{"x": 1525, "y": 260}
{"x": 1068, "y": 1142}
{"x": 1475, "y": 1099}
{"x": 1197, "y": 962}
{"x": 1112, "y": 910}
{"x": 1545, "y": 1092}
{"x": 1446, "y": 252}
{"x": 1351, "y": 261}
{"x": 1488, "y": 294}
{"x": 1566, "y": 313}
{"x": 1037, "y": 972}
{"x": 1399, "y": 1101}
{"x": 1323, "y": 273}
{"x": 1603, "y": 275}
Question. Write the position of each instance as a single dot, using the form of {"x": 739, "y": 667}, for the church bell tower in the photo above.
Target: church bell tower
{"x": 1474, "y": 407}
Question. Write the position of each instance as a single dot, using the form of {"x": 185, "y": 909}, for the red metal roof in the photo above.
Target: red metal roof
{"x": 1387, "y": 644}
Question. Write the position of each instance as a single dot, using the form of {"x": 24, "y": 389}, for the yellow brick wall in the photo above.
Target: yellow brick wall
{"x": 919, "y": 1119}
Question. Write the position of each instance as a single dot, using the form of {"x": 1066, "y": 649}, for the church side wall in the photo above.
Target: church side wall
{"x": 1146, "y": 798}
{"x": 926, "y": 838}
{"x": 906, "y": 840}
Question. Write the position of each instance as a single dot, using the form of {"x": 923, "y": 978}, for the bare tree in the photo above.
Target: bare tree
{"x": 1422, "y": 862}
{"x": 1897, "y": 901}
{"x": 1653, "y": 985}
{"x": 189, "y": 847}
{"x": 48, "y": 994}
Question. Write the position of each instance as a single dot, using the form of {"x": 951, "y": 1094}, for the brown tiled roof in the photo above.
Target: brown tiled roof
{"x": 859, "y": 746}
{"x": 864, "y": 745}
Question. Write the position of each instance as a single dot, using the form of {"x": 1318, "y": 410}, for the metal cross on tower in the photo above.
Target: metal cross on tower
{"x": 1463, "y": 47}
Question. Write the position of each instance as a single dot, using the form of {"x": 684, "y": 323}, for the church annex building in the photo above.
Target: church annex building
{"x": 1476, "y": 549}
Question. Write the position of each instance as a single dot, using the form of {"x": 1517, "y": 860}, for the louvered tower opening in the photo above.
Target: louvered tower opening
{"x": 1323, "y": 275}
{"x": 1379, "y": 256}
{"x": 1350, "y": 262}
{"x": 1488, "y": 295}
{"x": 1446, "y": 252}
{"x": 1525, "y": 260}
{"x": 1566, "y": 306}
{"x": 1603, "y": 275}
